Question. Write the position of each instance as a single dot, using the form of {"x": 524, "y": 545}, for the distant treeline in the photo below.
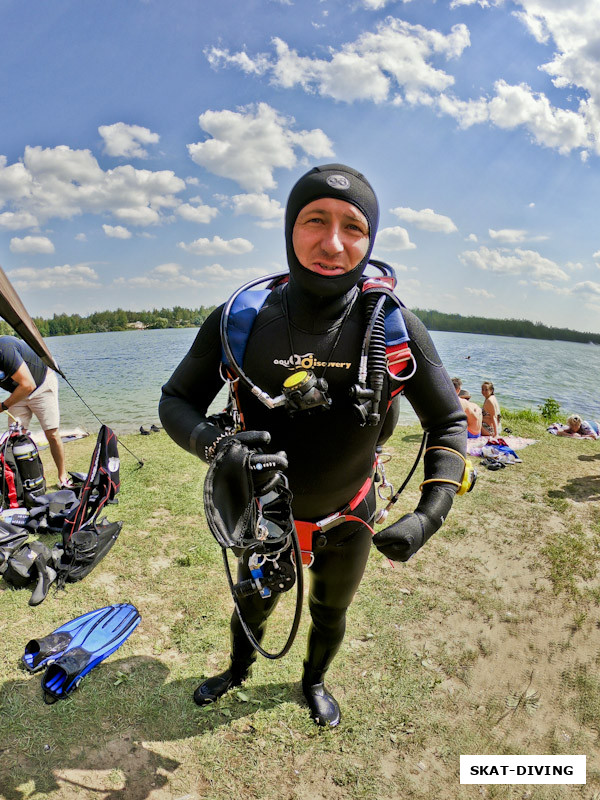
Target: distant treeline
{"x": 119, "y": 320}
{"x": 437, "y": 321}
{"x": 178, "y": 317}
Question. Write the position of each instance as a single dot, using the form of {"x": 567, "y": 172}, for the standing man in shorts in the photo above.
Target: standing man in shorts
{"x": 33, "y": 389}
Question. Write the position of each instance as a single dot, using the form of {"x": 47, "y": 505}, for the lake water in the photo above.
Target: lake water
{"x": 120, "y": 374}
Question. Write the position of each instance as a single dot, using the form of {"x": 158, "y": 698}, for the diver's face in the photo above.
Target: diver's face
{"x": 330, "y": 236}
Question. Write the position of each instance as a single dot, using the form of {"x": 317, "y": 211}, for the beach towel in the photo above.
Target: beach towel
{"x": 475, "y": 446}
{"x": 500, "y": 452}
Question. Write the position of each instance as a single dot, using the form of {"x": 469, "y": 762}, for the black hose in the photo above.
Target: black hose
{"x": 93, "y": 413}
{"x": 299, "y": 600}
{"x": 377, "y": 360}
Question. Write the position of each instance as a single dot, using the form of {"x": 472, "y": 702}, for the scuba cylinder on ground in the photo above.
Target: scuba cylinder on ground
{"x": 21, "y": 469}
{"x": 30, "y": 468}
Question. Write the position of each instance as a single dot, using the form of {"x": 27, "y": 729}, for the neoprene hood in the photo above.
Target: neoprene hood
{"x": 341, "y": 183}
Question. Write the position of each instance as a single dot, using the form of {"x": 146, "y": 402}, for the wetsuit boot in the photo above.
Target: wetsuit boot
{"x": 213, "y": 688}
{"x": 324, "y": 708}
{"x": 243, "y": 656}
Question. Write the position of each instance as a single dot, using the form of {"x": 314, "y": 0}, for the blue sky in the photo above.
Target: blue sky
{"x": 147, "y": 148}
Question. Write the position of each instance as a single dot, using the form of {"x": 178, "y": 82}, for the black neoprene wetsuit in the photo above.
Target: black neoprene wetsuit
{"x": 330, "y": 455}
{"x": 312, "y": 323}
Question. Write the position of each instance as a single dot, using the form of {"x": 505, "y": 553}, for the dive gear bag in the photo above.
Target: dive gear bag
{"x": 101, "y": 485}
{"x": 22, "y": 473}
{"x": 82, "y": 550}
{"x": 86, "y": 539}
{"x": 25, "y": 563}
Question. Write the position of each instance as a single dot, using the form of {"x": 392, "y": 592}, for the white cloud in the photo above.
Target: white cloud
{"x": 80, "y": 237}
{"x": 125, "y": 140}
{"x": 482, "y": 3}
{"x": 395, "y": 57}
{"x": 586, "y": 288}
{"x": 217, "y": 246}
{"x": 165, "y": 277}
{"x": 545, "y": 286}
{"x": 116, "y": 232}
{"x": 514, "y": 106}
{"x": 574, "y": 28}
{"x": 259, "y": 204}
{"x": 553, "y": 127}
{"x": 14, "y": 221}
{"x": 479, "y": 293}
{"x": 248, "y": 144}
{"x": 195, "y": 211}
{"x": 76, "y": 276}
{"x": 31, "y": 244}
{"x": 513, "y": 262}
{"x": 395, "y": 238}
{"x": 513, "y": 236}
{"x": 216, "y": 272}
{"x": 471, "y": 238}
{"x": 63, "y": 183}
{"x": 596, "y": 256}
{"x": 398, "y": 267}
{"x": 375, "y": 5}
{"x": 508, "y": 235}
{"x": 397, "y": 63}
{"x": 426, "y": 219}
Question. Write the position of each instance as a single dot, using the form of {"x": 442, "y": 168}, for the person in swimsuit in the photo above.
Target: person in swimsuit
{"x": 490, "y": 425}
{"x": 579, "y": 428}
{"x": 472, "y": 410}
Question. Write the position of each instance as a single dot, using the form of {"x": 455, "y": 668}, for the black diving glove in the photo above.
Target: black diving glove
{"x": 401, "y": 540}
{"x": 237, "y": 475}
{"x": 265, "y": 467}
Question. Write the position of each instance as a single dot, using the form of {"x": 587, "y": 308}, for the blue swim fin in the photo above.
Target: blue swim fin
{"x": 88, "y": 647}
{"x": 40, "y": 653}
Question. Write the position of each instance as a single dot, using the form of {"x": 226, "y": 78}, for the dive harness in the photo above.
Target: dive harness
{"x": 384, "y": 349}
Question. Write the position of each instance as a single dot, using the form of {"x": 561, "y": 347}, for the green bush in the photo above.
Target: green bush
{"x": 550, "y": 410}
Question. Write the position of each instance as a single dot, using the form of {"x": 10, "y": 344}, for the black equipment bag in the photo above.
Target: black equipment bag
{"x": 101, "y": 484}
{"x": 83, "y": 550}
{"x": 11, "y": 540}
{"x": 22, "y": 477}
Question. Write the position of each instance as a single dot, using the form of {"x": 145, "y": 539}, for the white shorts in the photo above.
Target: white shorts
{"x": 43, "y": 402}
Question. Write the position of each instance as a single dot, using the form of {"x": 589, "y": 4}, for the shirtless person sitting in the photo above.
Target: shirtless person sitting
{"x": 472, "y": 410}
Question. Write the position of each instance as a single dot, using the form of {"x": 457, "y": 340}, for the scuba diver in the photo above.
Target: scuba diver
{"x": 315, "y": 321}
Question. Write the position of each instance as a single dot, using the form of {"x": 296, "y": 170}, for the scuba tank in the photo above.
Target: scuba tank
{"x": 30, "y": 467}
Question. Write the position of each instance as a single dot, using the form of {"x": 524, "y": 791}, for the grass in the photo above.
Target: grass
{"x": 434, "y": 651}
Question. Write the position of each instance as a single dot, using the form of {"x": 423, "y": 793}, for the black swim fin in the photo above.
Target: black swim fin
{"x": 89, "y": 646}
{"x": 39, "y": 653}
